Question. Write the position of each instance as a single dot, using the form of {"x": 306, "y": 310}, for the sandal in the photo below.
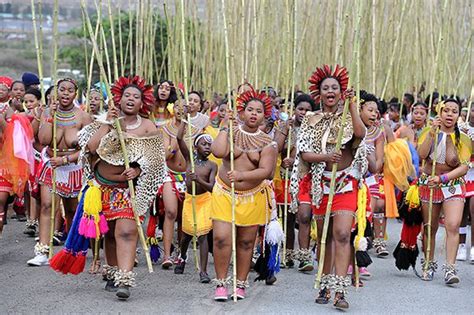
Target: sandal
{"x": 95, "y": 267}
{"x": 324, "y": 296}
{"x": 167, "y": 263}
{"x": 340, "y": 302}
{"x": 361, "y": 284}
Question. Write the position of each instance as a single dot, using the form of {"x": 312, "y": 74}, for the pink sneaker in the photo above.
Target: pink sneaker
{"x": 364, "y": 272}
{"x": 240, "y": 292}
{"x": 349, "y": 270}
{"x": 221, "y": 294}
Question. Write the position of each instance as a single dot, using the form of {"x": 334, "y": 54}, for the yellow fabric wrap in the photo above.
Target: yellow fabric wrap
{"x": 361, "y": 214}
{"x": 464, "y": 149}
{"x": 413, "y": 197}
{"x": 252, "y": 207}
{"x": 213, "y": 132}
{"x": 203, "y": 214}
{"x": 397, "y": 167}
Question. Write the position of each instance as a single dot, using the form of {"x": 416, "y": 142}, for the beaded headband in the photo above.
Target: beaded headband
{"x": 340, "y": 74}
{"x": 244, "y": 98}
{"x": 147, "y": 91}
{"x": 204, "y": 136}
{"x": 67, "y": 80}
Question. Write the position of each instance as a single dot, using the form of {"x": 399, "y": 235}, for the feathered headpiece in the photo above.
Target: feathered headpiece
{"x": 244, "y": 98}
{"x": 339, "y": 73}
{"x": 147, "y": 91}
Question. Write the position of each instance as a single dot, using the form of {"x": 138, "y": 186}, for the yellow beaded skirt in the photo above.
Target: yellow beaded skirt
{"x": 203, "y": 214}
{"x": 252, "y": 207}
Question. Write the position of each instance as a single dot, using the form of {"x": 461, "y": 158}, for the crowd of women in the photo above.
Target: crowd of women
{"x": 331, "y": 164}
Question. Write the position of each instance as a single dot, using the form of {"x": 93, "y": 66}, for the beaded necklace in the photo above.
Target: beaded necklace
{"x": 66, "y": 118}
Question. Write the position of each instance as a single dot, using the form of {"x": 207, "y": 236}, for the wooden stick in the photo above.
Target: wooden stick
{"x": 332, "y": 184}
{"x": 231, "y": 140}
{"x": 190, "y": 139}
{"x": 435, "y": 64}
{"x": 55, "y": 96}
{"x": 430, "y": 205}
{"x": 289, "y": 143}
{"x": 394, "y": 49}
{"x": 112, "y": 34}
{"x": 38, "y": 53}
{"x": 122, "y": 142}
{"x": 91, "y": 64}
{"x": 122, "y": 60}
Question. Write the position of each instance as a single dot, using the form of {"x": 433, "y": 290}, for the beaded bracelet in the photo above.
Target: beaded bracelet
{"x": 444, "y": 178}
{"x": 226, "y": 129}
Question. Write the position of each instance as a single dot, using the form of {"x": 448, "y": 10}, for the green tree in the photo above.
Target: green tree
{"x": 74, "y": 54}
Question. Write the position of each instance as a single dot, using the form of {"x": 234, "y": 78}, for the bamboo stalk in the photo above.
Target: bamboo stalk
{"x": 55, "y": 96}
{"x": 38, "y": 52}
{"x": 86, "y": 56}
{"x": 332, "y": 184}
{"x": 91, "y": 64}
{"x": 130, "y": 29}
{"x": 122, "y": 142}
{"x": 191, "y": 157}
{"x": 231, "y": 140}
{"x": 288, "y": 151}
{"x": 430, "y": 205}
{"x": 435, "y": 64}
{"x": 122, "y": 65}
{"x": 112, "y": 34}
{"x": 374, "y": 69}
{"x": 395, "y": 49}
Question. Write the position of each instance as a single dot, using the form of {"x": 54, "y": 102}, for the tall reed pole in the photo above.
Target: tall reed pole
{"x": 112, "y": 34}
{"x": 39, "y": 57}
{"x": 289, "y": 141}
{"x": 190, "y": 139}
{"x": 231, "y": 141}
{"x": 55, "y": 97}
{"x": 332, "y": 184}
{"x": 121, "y": 140}
{"x": 395, "y": 49}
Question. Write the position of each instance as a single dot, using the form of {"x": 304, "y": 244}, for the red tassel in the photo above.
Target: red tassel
{"x": 58, "y": 260}
{"x": 78, "y": 265}
{"x": 68, "y": 263}
{"x": 150, "y": 231}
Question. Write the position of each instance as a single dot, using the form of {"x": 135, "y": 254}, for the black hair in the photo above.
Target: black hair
{"x": 368, "y": 97}
{"x": 428, "y": 98}
{"x": 173, "y": 96}
{"x": 409, "y": 97}
{"x": 18, "y": 81}
{"x": 35, "y": 92}
{"x": 394, "y": 104}
{"x": 382, "y": 106}
{"x": 48, "y": 92}
{"x": 457, "y": 100}
{"x": 305, "y": 98}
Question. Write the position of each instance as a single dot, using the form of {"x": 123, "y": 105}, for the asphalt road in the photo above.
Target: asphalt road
{"x": 26, "y": 289}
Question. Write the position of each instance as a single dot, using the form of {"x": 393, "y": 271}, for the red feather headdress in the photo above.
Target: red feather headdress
{"x": 244, "y": 98}
{"x": 340, "y": 74}
{"x": 147, "y": 91}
